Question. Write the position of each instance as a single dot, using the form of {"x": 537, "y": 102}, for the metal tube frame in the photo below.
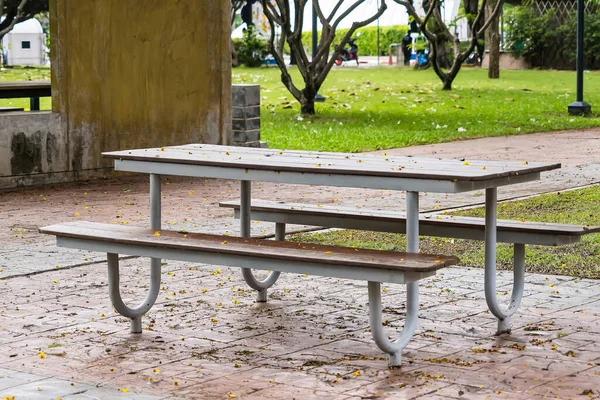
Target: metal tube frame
{"x": 394, "y": 349}
{"x": 260, "y": 286}
{"x": 491, "y": 197}
{"x": 135, "y": 314}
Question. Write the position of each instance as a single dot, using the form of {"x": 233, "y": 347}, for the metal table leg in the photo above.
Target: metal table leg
{"x": 155, "y": 268}
{"x": 394, "y": 349}
{"x": 491, "y": 198}
{"x": 260, "y": 286}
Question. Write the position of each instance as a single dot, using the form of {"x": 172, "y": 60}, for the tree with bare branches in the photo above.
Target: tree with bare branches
{"x": 15, "y": 11}
{"x": 287, "y": 19}
{"x": 480, "y": 23}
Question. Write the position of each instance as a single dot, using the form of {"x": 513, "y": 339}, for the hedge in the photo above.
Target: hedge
{"x": 367, "y": 41}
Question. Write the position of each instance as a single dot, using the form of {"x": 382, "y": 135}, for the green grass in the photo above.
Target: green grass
{"x": 572, "y": 207}
{"x": 12, "y": 74}
{"x": 380, "y": 108}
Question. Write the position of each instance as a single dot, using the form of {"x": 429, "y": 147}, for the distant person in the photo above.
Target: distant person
{"x": 407, "y": 48}
{"x": 420, "y": 44}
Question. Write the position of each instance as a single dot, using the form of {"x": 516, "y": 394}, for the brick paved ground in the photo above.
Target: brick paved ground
{"x": 206, "y": 338}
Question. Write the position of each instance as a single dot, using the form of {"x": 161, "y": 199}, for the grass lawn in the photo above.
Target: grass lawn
{"x": 11, "y": 74}
{"x": 572, "y": 207}
{"x": 380, "y": 108}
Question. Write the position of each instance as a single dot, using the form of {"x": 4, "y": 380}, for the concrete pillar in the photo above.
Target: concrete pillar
{"x": 140, "y": 73}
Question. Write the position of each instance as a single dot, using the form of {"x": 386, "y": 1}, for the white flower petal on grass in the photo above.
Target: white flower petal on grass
{"x": 461, "y": 129}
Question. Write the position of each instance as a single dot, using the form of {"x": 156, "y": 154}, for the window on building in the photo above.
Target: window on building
{"x": 25, "y": 44}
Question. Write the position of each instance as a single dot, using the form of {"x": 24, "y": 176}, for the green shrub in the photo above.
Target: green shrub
{"x": 367, "y": 41}
{"x": 531, "y": 35}
{"x": 251, "y": 49}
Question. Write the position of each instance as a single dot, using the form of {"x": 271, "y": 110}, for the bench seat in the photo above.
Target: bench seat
{"x": 508, "y": 231}
{"x": 332, "y": 261}
{"x": 279, "y": 256}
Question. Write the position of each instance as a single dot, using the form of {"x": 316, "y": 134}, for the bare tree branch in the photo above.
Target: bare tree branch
{"x": 447, "y": 77}
{"x": 280, "y": 16}
{"x": 14, "y": 20}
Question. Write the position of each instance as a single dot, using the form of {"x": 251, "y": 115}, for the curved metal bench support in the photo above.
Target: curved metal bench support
{"x": 115, "y": 295}
{"x": 260, "y": 286}
{"x": 394, "y": 349}
{"x": 490, "y": 268}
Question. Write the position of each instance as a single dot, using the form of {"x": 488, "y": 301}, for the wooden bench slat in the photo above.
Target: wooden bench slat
{"x": 279, "y": 250}
{"x": 425, "y": 221}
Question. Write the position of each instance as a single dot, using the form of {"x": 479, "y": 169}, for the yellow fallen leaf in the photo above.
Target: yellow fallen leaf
{"x": 161, "y": 149}
{"x": 224, "y": 242}
{"x": 156, "y": 370}
{"x": 77, "y": 214}
{"x": 157, "y": 233}
{"x": 329, "y": 252}
{"x": 231, "y": 395}
{"x": 466, "y": 163}
{"x": 125, "y": 390}
{"x": 356, "y": 373}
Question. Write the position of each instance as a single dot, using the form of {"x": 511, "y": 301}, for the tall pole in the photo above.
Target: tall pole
{"x": 579, "y": 106}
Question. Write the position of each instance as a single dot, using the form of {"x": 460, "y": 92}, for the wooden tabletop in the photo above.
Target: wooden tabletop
{"x": 368, "y": 165}
{"x": 25, "y": 85}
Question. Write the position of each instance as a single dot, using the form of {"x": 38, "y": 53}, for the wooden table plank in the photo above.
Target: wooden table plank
{"x": 333, "y": 163}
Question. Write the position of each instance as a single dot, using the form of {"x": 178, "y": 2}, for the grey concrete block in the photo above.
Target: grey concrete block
{"x": 238, "y": 124}
{"x": 239, "y": 136}
{"x": 252, "y": 112}
{"x": 252, "y": 136}
{"x": 245, "y": 95}
{"x": 245, "y": 112}
{"x": 245, "y": 124}
{"x": 252, "y": 124}
{"x": 238, "y": 112}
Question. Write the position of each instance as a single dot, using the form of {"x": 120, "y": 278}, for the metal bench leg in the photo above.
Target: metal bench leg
{"x": 394, "y": 349}
{"x": 260, "y": 286}
{"x": 115, "y": 295}
{"x": 490, "y": 268}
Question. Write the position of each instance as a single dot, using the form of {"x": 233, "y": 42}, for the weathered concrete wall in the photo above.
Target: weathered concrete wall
{"x": 33, "y": 149}
{"x": 140, "y": 73}
{"x": 125, "y": 74}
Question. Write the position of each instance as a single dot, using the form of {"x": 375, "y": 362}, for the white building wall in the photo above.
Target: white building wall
{"x": 15, "y": 46}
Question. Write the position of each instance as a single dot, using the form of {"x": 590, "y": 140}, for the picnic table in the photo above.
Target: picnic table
{"x": 32, "y": 89}
{"x": 371, "y": 171}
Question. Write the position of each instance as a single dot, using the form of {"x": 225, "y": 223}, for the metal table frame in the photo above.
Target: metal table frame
{"x": 410, "y": 184}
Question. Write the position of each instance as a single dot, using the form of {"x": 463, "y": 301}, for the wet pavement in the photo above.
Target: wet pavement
{"x": 206, "y": 338}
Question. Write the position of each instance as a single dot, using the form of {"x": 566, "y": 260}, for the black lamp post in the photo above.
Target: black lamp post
{"x": 579, "y": 106}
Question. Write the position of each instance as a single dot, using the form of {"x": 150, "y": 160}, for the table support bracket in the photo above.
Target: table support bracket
{"x": 260, "y": 286}
{"x": 490, "y": 268}
{"x": 135, "y": 314}
{"x": 394, "y": 349}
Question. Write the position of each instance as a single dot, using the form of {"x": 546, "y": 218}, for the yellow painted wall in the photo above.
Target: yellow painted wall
{"x": 140, "y": 73}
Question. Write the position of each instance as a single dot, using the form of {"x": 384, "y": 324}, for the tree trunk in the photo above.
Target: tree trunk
{"x": 492, "y": 42}
{"x": 307, "y": 100}
{"x": 234, "y": 56}
{"x": 308, "y": 107}
{"x": 447, "y": 83}
{"x": 442, "y": 54}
